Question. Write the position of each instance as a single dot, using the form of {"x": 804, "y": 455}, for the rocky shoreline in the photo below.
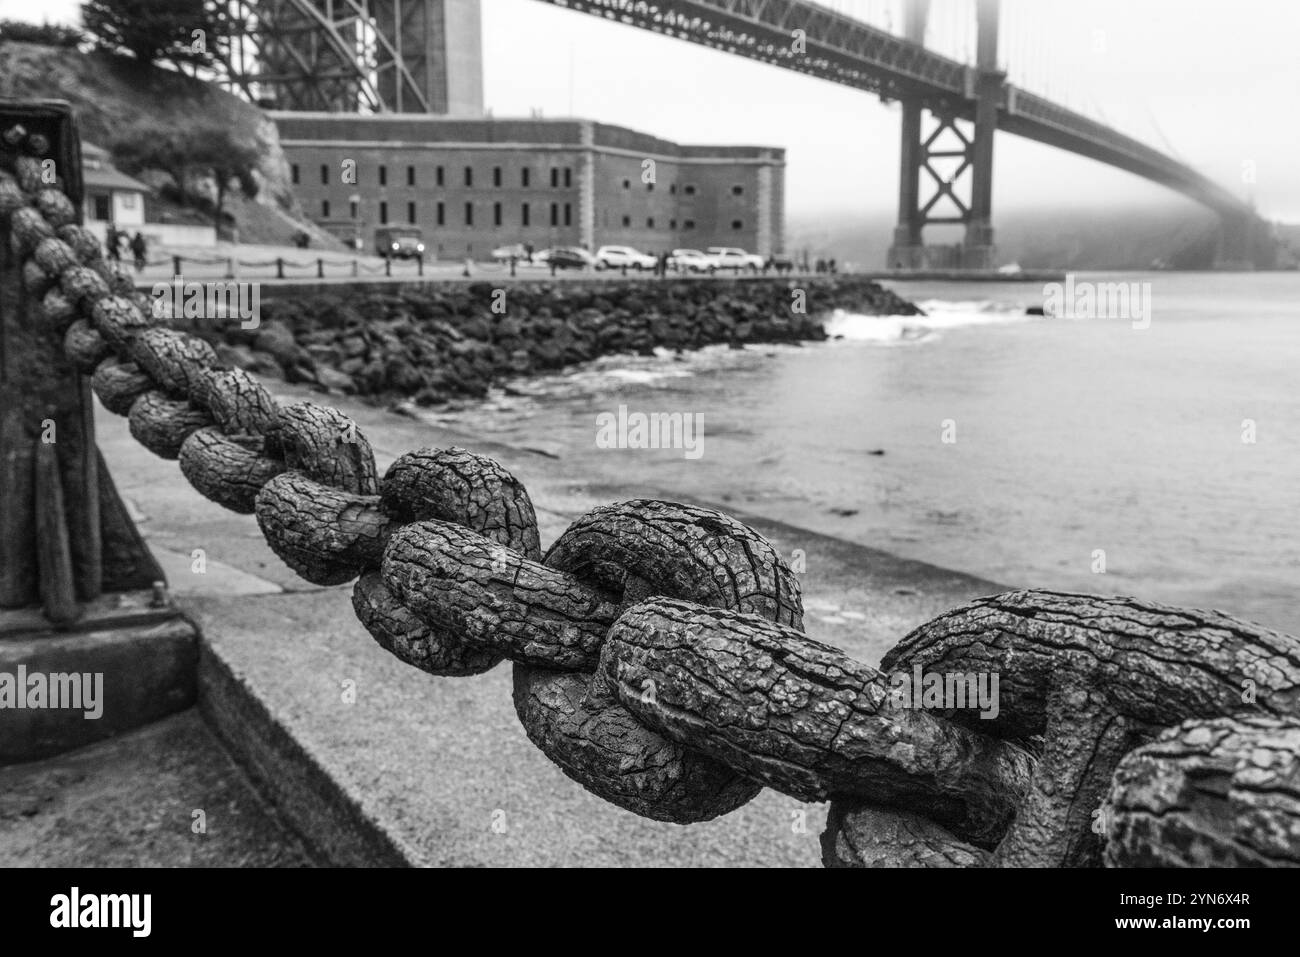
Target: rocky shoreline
{"x": 454, "y": 340}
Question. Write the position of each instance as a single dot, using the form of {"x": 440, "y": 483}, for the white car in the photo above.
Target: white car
{"x": 692, "y": 260}
{"x": 616, "y": 257}
{"x": 732, "y": 257}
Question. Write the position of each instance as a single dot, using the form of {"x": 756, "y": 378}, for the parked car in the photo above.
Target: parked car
{"x": 570, "y": 257}
{"x": 516, "y": 251}
{"x": 399, "y": 242}
{"x": 616, "y": 257}
{"x": 732, "y": 257}
{"x": 692, "y": 260}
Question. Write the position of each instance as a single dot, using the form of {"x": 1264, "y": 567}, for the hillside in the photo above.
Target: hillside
{"x": 111, "y": 93}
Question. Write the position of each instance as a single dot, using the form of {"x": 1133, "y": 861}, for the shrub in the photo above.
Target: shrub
{"x": 46, "y": 34}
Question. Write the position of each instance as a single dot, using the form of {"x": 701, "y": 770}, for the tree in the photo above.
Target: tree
{"x": 150, "y": 30}
{"x": 205, "y": 149}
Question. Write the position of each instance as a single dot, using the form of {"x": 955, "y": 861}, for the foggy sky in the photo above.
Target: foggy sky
{"x": 1212, "y": 83}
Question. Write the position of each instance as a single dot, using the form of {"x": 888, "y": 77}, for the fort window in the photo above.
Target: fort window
{"x": 496, "y": 175}
{"x": 410, "y": 176}
{"x": 527, "y": 175}
{"x": 383, "y": 175}
{"x": 324, "y": 175}
{"x": 555, "y": 214}
{"x": 650, "y": 222}
{"x": 469, "y": 214}
{"x": 627, "y": 184}
{"x": 555, "y": 177}
{"x": 469, "y": 176}
{"x": 627, "y": 221}
{"x": 737, "y": 224}
{"x": 688, "y": 189}
{"x": 672, "y": 224}
{"x": 496, "y": 214}
{"x": 672, "y": 189}
{"x": 568, "y": 177}
{"x": 649, "y": 187}
{"x": 325, "y": 209}
{"x": 410, "y": 212}
{"x": 568, "y": 214}
{"x": 442, "y": 213}
{"x": 352, "y": 209}
{"x": 523, "y": 212}
{"x": 383, "y": 212}
{"x": 438, "y": 176}
{"x": 689, "y": 224}
{"x": 294, "y": 174}
{"x": 737, "y": 190}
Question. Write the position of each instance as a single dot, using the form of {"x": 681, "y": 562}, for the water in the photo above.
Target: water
{"x": 1072, "y": 437}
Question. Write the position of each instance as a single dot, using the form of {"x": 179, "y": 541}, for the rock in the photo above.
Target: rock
{"x": 335, "y": 381}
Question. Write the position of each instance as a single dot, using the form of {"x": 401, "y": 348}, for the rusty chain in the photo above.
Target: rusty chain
{"x": 658, "y": 649}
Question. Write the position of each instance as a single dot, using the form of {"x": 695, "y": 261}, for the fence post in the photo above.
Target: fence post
{"x": 230, "y": 267}
{"x": 176, "y": 265}
{"x": 419, "y": 265}
{"x": 279, "y": 267}
{"x": 354, "y": 267}
{"x": 320, "y": 267}
{"x": 388, "y": 265}
{"x": 65, "y": 534}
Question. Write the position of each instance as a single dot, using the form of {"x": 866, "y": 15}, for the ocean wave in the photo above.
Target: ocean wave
{"x": 940, "y": 315}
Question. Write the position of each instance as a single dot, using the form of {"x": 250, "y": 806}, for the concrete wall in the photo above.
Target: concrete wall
{"x": 161, "y": 235}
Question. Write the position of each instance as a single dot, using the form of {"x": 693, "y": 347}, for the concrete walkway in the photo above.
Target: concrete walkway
{"x": 375, "y": 762}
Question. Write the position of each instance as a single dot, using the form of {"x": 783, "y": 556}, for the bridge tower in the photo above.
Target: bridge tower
{"x": 975, "y": 153}
{"x": 356, "y": 56}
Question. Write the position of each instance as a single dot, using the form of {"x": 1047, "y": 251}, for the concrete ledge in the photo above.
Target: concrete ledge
{"x": 324, "y": 815}
{"x": 147, "y": 672}
{"x": 372, "y": 762}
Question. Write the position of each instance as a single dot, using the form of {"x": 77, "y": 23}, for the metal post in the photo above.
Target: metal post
{"x": 279, "y": 268}
{"x": 65, "y": 535}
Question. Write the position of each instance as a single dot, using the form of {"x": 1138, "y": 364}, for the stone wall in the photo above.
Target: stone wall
{"x": 456, "y": 339}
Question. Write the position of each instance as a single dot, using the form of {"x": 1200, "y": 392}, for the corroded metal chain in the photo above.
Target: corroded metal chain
{"x": 658, "y": 649}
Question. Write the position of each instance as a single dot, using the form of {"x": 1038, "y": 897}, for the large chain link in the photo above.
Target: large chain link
{"x": 658, "y": 649}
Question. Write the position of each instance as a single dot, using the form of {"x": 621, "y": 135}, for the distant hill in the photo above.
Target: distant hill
{"x": 111, "y": 93}
{"x": 1177, "y": 235}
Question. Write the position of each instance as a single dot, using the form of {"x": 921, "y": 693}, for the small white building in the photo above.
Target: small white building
{"x": 113, "y": 197}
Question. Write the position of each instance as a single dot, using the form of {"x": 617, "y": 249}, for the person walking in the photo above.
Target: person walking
{"x": 138, "y": 249}
{"x": 111, "y": 241}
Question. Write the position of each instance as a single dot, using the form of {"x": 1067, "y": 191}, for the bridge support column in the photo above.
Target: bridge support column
{"x": 977, "y": 250}
{"x": 907, "y": 251}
